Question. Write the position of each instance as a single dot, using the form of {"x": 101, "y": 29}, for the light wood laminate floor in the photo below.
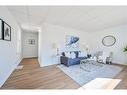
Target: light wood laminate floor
{"x": 34, "y": 77}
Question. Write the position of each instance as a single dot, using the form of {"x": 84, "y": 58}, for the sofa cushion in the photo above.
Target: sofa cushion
{"x": 63, "y": 54}
{"x": 81, "y": 58}
{"x": 76, "y": 53}
{"x": 74, "y": 61}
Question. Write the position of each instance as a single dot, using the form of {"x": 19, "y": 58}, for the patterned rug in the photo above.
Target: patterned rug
{"x": 82, "y": 76}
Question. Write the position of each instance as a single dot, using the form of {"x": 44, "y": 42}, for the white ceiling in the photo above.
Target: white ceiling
{"x": 84, "y": 18}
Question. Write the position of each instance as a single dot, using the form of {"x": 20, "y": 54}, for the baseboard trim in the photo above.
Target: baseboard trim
{"x": 50, "y": 65}
{"x": 11, "y": 71}
{"x": 120, "y": 64}
{"x": 39, "y": 61}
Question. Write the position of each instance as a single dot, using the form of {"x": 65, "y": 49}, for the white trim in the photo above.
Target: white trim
{"x": 120, "y": 64}
{"x": 39, "y": 62}
{"x": 9, "y": 73}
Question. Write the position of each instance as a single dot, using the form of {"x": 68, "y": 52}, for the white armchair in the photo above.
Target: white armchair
{"x": 104, "y": 56}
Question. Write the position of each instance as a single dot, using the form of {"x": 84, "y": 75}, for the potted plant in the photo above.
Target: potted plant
{"x": 125, "y": 49}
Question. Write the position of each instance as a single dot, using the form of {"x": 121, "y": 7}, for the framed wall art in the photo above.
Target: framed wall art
{"x": 1, "y": 30}
{"x": 31, "y": 41}
{"x": 72, "y": 41}
{"x": 6, "y": 32}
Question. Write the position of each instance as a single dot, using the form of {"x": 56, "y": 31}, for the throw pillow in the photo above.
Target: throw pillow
{"x": 67, "y": 54}
{"x": 82, "y": 54}
{"x": 73, "y": 55}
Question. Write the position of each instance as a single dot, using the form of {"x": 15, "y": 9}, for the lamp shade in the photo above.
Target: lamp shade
{"x": 55, "y": 46}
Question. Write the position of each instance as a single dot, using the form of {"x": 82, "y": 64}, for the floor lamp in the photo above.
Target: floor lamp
{"x": 56, "y": 47}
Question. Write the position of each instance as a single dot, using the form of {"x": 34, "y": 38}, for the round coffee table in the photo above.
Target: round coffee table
{"x": 84, "y": 63}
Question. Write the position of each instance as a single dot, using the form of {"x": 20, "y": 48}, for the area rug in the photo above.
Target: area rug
{"x": 96, "y": 71}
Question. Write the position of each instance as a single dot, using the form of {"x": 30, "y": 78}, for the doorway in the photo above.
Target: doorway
{"x": 29, "y": 44}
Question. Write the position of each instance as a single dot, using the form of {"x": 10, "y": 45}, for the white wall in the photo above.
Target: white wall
{"x": 10, "y": 51}
{"x": 120, "y": 33}
{"x": 28, "y": 49}
{"x": 50, "y": 34}
{"x": 54, "y": 33}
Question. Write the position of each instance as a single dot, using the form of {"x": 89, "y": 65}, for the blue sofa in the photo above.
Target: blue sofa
{"x": 69, "y": 61}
